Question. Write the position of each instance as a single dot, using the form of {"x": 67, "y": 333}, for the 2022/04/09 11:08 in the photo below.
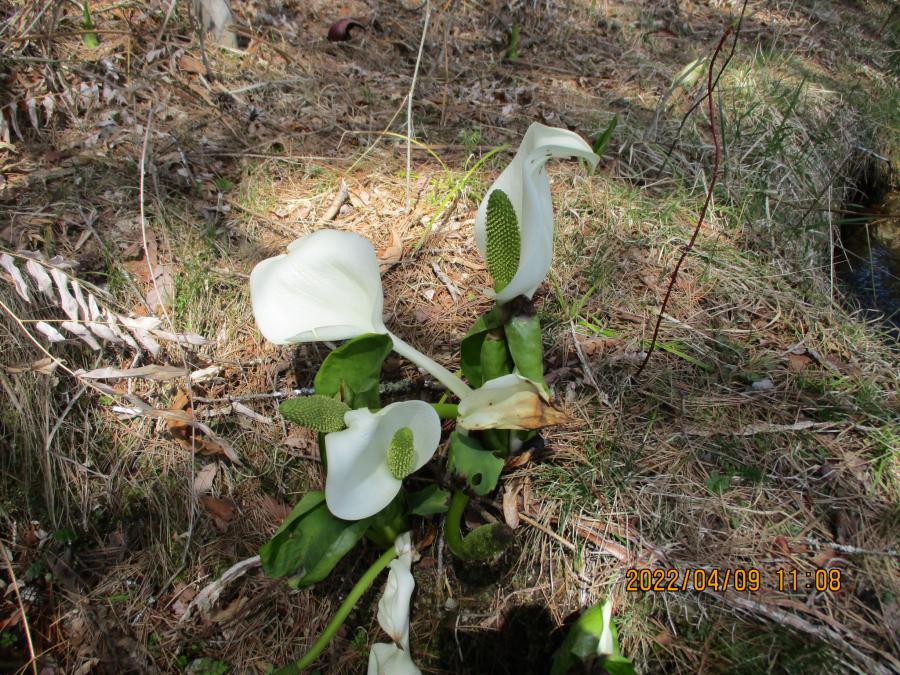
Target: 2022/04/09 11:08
{"x": 741, "y": 579}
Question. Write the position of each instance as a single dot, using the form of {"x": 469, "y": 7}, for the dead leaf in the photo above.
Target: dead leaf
{"x": 188, "y": 64}
{"x": 798, "y": 362}
{"x": 393, "y": 253}
{"x": 275, "y": 508}
{"x": 183, "y": 594}
{"x": 511, "y": 504}
{"x": 189, "y": 437}
{"x": 230, "y": 612}
{"x": 600, "y": 345}
{"x": 220, "y": 510}
{"x": 205, "y": 478}
{"x": 160, "y": 373}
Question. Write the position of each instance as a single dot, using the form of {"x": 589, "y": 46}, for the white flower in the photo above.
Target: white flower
{"x": 368, "y": 460}
{"x": 389, "y": 659}
{"x": 606, "y": 644}
{"x": 526, "y": 184}
{"x": 393, "y": 608}
{"x": 508, "y": 402}
{"x": 326, "y": 287}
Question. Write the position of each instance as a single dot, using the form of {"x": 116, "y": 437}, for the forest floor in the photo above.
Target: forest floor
{"x": 763, "y": 433}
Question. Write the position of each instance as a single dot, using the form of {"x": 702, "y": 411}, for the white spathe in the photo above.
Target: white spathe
{"x": 606, "y": 646}
{"x": 359, "y": 482}
{"x": 326, "y": 287}
{"x": 508, "y": 402}
{"x": 393, "y": 608}
{"x": 526, "y": 184}
{"x": 389, "y": 659}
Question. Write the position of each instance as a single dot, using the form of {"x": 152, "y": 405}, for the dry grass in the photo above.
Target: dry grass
{"x": 690, "y": 467}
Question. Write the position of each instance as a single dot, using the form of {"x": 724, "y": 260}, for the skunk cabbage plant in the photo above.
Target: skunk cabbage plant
{"x": 368, "y": 460}
{"x": 393, "y": 615}
{"x": 514, "y": 223}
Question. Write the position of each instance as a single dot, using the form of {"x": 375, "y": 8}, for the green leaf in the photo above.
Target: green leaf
{"x": 310, "y": 542}
{"x": 353, "y": 370}
{"x": 495, "y": 359}
{"x": 470, "y": 348}
{"x": 580, "y": 644}
{"x": 428, "y": 501}
{"x": 523, "y": 335}
{"x": 617, "y": 665}
{"x": 387, "y": 524}
{"x": 319, "y": 413}
{"x": 89, "y": 39}
{"x": 602, "y": 140}
{"x": 469, "y": 460}
{"x": 503, "y": 239}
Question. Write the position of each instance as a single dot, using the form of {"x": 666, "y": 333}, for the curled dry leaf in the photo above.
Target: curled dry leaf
{"x": 188, "y": 435}
{"x": 340, "y": 30}
{"x": 221, "y": 511}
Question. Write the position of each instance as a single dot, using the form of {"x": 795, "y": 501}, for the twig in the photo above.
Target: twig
{"x": 709, "y": 194}
{"x": 208, "y": 596}
{"x": 784, "y": 618}
{"x": 586, "y": 366}
{"x": 337, "y": 202}
{"x": 409, "y": 102}
{"x": 449, "y": 285}
{"x": 696, "y": 104}
{"x": 12, "y": 576}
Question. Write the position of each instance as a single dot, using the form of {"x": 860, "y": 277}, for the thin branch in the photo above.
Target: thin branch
{"x": 696, "y": 104}
{"x": 409, "y": 102}
{"x": 709, "y": 193}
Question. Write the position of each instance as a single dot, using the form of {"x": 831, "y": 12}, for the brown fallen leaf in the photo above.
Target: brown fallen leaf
{"x": 189, "y": 64}
{"x": 189, "y": 437}
{"x": 275, "y": 508}
{"x": 600, "y": 345}
{"x": 220, "y": 510}
{"x": 230, "y": 612}
{"x": 393, "y": 253}
{"x": 205, "y": 478}
{"x": 798, "y": 362}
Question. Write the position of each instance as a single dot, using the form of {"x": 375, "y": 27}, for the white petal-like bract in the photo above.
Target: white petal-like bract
{"x": 526, "y": 184}
{"x": 359, "y": 482}
{"x": 389, "y": 659}
{"x": 326, "y": 287}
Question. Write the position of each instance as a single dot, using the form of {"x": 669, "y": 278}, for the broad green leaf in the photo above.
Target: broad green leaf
{"x": 319, "y": 413}
{"x": 387, "y": 524}
{"x": 503, "y": 239}
{"x": 469, "y": 460}
{"x": 310, "y": 542}
{"x": 353, "y": 370}
{"x": 495, "y": 359}
{"x": 470, "y": 348}
{"x": 523, "y": 335}
{"x": 602, "y": 139}
{"x": 428, "y": 501}
{"x": 581, "y": 644}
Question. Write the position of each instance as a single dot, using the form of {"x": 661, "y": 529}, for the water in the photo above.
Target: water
{"x": 869, "y": 265}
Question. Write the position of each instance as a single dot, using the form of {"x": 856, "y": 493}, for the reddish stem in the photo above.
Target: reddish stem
{"x": 709, "y": 193}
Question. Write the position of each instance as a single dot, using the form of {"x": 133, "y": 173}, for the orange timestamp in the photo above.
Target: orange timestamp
{"x": 740, "y": 579}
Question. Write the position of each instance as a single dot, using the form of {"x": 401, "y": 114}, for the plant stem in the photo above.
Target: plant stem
{"x": 454, "y": 521}
{"x": 444, "y": 376}
{"x": 365, "y": 581}
{"x": 446, "y": 411}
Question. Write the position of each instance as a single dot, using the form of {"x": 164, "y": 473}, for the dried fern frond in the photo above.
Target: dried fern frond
{"x": 89, "y": 318}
